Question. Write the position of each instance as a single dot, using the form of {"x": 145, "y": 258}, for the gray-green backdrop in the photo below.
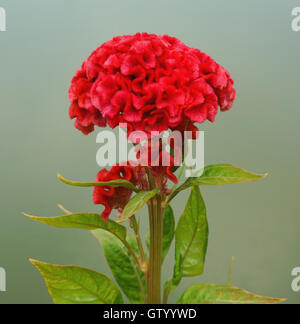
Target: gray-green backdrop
{"x": 258, "y": 223}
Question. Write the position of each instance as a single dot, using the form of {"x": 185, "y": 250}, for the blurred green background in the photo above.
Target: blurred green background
{"x": 258, "y": 223}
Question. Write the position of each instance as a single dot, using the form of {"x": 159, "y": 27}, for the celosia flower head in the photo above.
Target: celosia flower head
{"x": 150, "y": 82}
{"x": 116, "y": 198}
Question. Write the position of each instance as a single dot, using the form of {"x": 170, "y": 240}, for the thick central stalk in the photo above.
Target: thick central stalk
{"x": 155, "y": 257}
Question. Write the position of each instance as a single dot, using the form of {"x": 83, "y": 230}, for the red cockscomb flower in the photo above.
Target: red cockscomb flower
{"x": 116, "y": 198}
{"x": 150, "y": 82}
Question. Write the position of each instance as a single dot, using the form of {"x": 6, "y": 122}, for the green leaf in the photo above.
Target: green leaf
{"x": 168, "y": 231}
{"x": 222, "y": 294}
{"x": 125, "y": 270}
{"x": 114, "y": 183}
{"x": 191, "y": 237}
{"x": 90, "y": 222}
{"x": 87, "y": 221}
{"x": 137, "y": 203}
{"x": 75, "y": 285}
{"x": 220, "y": 174}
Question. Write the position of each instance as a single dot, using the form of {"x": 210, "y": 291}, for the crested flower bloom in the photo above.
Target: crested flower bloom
{"x": 117, "y": 198}
{"x": 150, "y": 82}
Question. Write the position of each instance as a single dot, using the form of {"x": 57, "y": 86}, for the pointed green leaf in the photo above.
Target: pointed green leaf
{"x": 76, "y": 285}
{"x": 168, "y": 231}
{"x": 191, "y": 236}
{"x": 114, "y": 183}
{"x": 223, "y": 294}
{"x": 125, "y": 270}
{"x": 87, "y": 221}
{"x": 220, "y": 174}
{"x": 191, "y": 239}
{"x": 137, "y": 203}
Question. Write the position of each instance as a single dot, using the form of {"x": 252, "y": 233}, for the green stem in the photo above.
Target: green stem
{"x": 155, "y": 257}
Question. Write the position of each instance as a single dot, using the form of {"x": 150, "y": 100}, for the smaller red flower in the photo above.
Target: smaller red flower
{"x": 115, "y": 198}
